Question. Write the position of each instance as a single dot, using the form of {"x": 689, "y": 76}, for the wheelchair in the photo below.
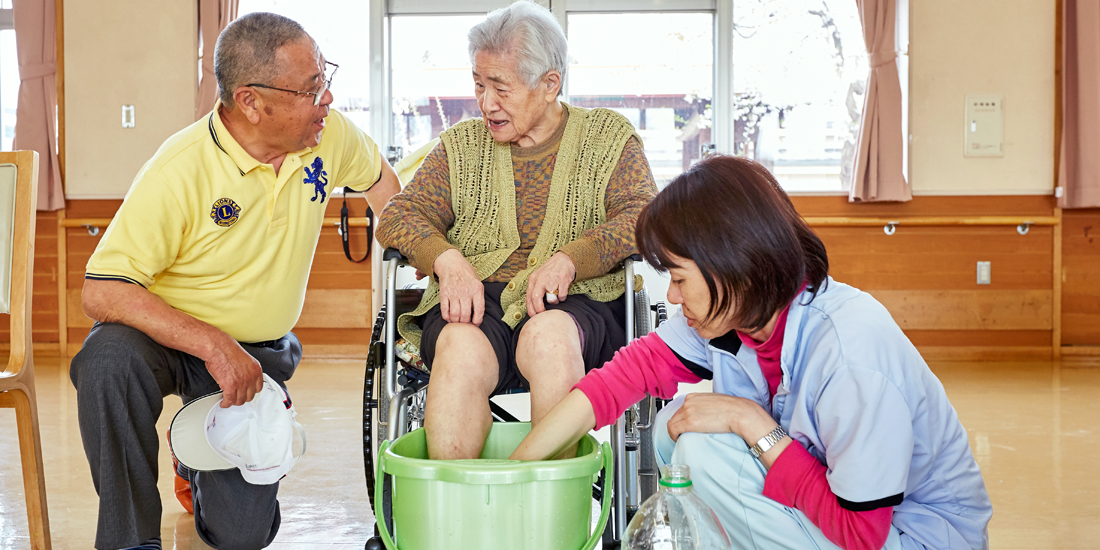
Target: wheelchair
{"x": 394, "y": 392}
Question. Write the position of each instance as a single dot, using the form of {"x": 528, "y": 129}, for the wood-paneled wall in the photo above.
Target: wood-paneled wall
{"x": 1081, "y": 278}
{"x": 336, "y": 319}
{"x": 926, "y": 277}
{"x": 44, "y": 299}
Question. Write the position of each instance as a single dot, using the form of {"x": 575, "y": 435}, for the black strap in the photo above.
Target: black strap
{"x": 344, "y": 229}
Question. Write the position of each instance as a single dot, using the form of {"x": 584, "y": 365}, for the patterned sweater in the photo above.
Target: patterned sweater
{"x": 424, "y": 210}
{"x": 421, "y": 221}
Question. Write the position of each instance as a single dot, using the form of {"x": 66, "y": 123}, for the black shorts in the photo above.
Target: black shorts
{"x": 600, "y": 324}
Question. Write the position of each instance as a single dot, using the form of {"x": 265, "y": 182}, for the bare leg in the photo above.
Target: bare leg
{"x": 464, "y": 374}
{"x": 549, "y": 357}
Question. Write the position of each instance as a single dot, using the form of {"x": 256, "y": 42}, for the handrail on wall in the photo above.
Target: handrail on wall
{"x": 94, "y": 224}
{"x": 889, "y": 225}
{"x": 820, "y": 221}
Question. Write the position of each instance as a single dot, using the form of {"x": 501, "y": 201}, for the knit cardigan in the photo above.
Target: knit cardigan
{"x": 483, "y": 197}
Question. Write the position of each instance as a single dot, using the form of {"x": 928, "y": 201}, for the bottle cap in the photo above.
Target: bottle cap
{"x": 675, "y": 475}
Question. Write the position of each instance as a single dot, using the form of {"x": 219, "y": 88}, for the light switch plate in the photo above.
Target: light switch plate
{"x": 128, "y": 116}
{"x": 984, "y": 126}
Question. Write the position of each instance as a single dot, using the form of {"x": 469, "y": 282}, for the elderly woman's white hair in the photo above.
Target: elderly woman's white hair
{"x": 528, "y": 30}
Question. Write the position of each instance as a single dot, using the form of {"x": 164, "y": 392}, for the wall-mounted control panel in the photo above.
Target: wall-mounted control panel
{"x": 984, "y": 126}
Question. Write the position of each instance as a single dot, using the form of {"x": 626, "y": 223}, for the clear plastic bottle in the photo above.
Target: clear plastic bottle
{"x": 675, "y": 518}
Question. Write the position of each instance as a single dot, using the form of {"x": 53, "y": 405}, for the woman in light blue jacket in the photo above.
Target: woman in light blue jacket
{"x": 825, "y": 428}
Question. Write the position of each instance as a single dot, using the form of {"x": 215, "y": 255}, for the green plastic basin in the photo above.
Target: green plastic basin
{"x": 490, "y": 502}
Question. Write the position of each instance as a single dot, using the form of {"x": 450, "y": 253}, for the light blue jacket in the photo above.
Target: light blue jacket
{"x": 859, "y": 397}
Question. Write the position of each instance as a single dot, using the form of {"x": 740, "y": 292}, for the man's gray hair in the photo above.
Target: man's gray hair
{"x": 245, "y": 52}
{"x": 528, "y": 30}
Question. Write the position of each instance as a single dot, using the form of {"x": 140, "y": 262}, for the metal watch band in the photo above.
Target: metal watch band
{"x": 768, "y": 441}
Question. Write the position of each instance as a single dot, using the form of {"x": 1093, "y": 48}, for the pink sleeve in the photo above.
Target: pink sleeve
{"x": 647, "y": 365}
{"x": 797, "y": 479}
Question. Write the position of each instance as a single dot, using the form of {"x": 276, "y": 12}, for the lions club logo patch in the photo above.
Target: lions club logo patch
{"x": 225, "y": 212}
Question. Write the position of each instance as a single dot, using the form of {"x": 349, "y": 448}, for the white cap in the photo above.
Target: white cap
{"x": 257, "y": 438}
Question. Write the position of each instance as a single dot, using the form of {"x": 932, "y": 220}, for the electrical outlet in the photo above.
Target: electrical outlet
{"x": 984, "y": 272}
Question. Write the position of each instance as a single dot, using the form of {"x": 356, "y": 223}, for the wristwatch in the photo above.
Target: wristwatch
{"x": 768, "y": 441}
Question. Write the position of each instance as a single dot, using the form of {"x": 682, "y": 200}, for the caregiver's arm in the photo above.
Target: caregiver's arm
{"x": 862, "y": 415}
{"x": 796, "y": 479}
{"x": 563, "y": 426}
{"x": 647, "y": 365}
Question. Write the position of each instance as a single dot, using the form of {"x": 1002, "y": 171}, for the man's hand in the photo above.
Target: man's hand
{"x": 461, "y": 293}
{"x": 550, "y": 282}
{"x": 237, "y": 373}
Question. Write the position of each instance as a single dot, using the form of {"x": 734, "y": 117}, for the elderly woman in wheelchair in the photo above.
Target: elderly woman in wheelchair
{"x": 520, "y": 219}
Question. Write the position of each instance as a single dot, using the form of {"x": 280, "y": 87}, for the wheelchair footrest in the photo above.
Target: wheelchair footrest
{"x": 412, "y": 377}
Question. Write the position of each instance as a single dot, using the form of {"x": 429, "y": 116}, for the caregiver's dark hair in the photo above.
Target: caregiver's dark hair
{"x": 729, "y": 216}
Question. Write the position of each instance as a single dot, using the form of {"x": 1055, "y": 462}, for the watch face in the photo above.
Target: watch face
{"x": 767, "y": 441}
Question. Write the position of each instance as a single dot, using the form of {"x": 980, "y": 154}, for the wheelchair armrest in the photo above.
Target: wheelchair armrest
{"x": 633, "y": 258}
{"x": 393, "y": 254}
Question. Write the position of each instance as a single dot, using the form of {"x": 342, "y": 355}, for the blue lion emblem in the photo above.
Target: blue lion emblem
{"x": 317, "y": 178}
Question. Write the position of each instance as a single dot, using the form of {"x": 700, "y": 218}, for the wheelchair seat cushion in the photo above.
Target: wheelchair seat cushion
{"x": 409, "y": 353}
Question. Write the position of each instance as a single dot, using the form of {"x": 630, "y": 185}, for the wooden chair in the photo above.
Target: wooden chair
{"x": 19, "y": 194}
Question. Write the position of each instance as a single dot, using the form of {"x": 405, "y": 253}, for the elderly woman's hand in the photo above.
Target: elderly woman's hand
{"x": 461, "y": 293}
{"x": 550, "y": 282}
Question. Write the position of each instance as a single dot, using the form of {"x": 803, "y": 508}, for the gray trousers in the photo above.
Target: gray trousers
{"x": 121, "y": 378}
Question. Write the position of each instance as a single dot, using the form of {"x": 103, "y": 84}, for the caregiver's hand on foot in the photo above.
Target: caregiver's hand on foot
{"x": 720, "y": 413}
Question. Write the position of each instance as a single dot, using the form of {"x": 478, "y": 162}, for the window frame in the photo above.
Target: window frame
{"x": 381, "y": 11}
{"x": 380, "y": 52}
{"x": 7, "y": 23}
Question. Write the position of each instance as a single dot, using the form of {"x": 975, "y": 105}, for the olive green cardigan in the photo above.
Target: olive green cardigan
{"x": 483, "y": 197}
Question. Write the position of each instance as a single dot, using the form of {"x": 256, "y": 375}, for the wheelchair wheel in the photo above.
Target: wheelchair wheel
{"x": 373, "y": 396}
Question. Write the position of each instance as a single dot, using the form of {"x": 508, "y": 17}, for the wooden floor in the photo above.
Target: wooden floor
{"x": 1033, "y": 429}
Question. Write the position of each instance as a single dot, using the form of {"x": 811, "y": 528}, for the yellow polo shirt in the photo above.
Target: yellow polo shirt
{"x": 220, "y": 236}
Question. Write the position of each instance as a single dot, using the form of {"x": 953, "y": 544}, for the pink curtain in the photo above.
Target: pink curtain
{"x": 1079, "y": 163}
{"x": 214, "y": 16}
{"x": 878, "y": 169}
{"x": 36, "y": 111}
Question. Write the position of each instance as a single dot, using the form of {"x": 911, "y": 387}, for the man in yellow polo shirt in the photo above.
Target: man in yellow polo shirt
{"x": 200, "y": 277}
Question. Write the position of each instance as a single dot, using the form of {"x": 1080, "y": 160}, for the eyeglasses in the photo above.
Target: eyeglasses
{"x": 326, "y": 83}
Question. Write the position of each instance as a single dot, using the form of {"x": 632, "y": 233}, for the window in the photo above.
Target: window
{"x": 432, "y": 86}
{"x": 340, "y": 28}
{"x": 9, "y": 77}
{"x": 793, "y": 102}
{"x": 799, "y": 73}
{"x": 654, "y": 68}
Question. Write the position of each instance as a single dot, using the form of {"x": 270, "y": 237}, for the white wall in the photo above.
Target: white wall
{"x": 1003, "y": 47}
{"x": 124, "y": 52}
{"x": 143, "y": 53}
